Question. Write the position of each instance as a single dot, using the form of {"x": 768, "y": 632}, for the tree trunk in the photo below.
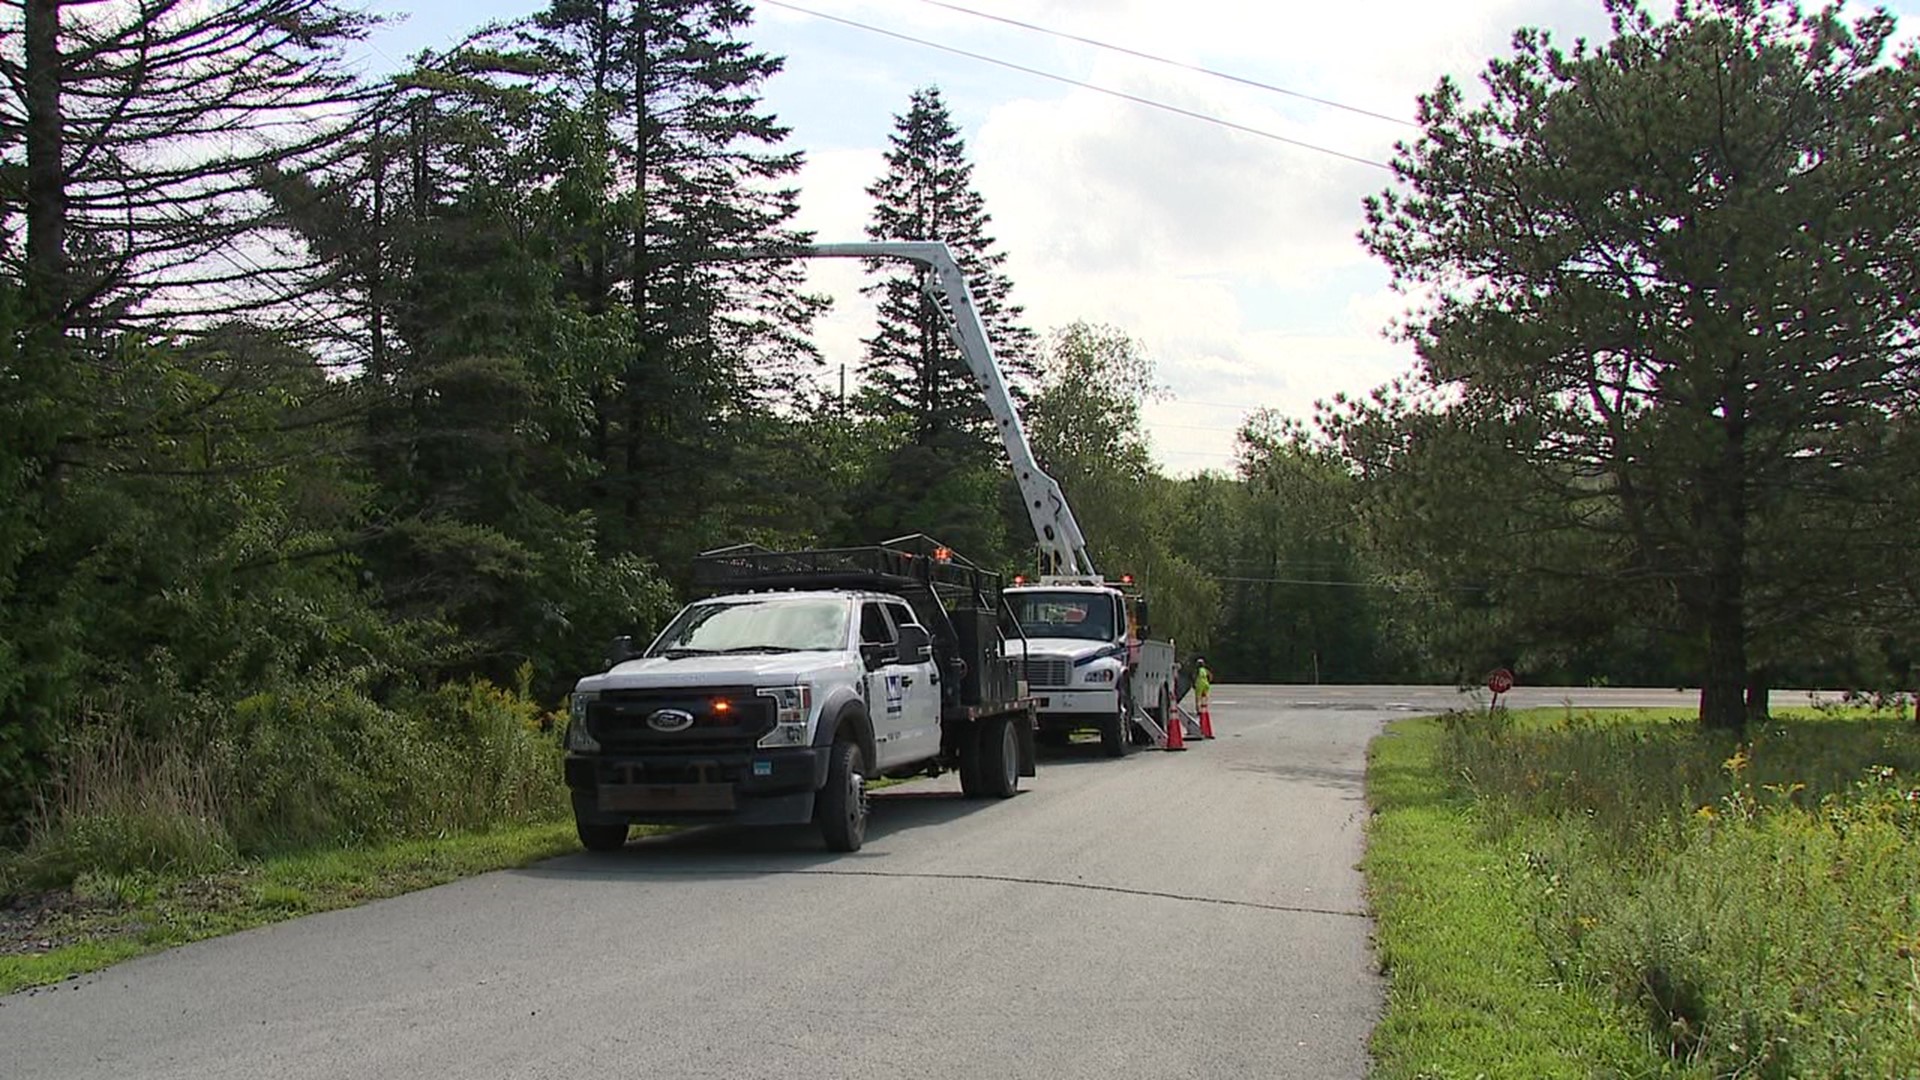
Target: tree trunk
{"x": 1723, "y": 703}
{"x": 48, "y": 290}
{"x": 1759, "y": 688}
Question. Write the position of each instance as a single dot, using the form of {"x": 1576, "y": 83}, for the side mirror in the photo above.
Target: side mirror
{"x": 620, "y": 650}
{"x": 916, "y": 645}
{"x": 1145, "y": 620}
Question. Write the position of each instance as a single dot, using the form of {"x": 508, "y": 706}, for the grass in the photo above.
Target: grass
{"x": 1471, "y": 991}
{"x": 1623, "y": 894}
{"x": 107, "y": 918}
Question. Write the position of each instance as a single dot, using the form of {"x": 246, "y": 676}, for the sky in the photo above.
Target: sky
{"x": 1229, "y": 256}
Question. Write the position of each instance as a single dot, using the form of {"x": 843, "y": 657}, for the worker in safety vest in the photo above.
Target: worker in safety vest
{"x": 1202, "y": 686}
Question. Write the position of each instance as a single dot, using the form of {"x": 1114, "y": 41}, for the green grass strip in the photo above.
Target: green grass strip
{"x": 1470, "y": 992}
{"x": 115, "y": 919}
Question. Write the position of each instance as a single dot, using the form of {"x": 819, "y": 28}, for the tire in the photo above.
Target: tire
{"x": 841, "y": 811}
{"x": 600, "y": 836}
{"x": 999, "y": 756}
{"x": 1116, "y": 731}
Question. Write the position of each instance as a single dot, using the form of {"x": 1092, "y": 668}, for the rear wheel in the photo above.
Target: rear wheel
{"x": 999, "y": 754}
{"x": 841, "y": 812}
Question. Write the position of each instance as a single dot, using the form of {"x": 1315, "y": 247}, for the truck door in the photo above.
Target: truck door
{"x": 922, "y": 709}
{"x": 888, "y": 684}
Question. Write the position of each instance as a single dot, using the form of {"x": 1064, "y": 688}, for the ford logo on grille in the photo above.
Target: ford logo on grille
{"x": 670, "y": 720}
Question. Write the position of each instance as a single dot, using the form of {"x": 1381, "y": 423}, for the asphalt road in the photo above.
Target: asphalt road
{"x": 1166, "y": 915}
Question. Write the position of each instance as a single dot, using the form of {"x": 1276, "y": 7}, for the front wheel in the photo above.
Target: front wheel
{"x": 600, "y": 836}
{"x": 842, "y": 809}
{"x": 1116, "y": 731}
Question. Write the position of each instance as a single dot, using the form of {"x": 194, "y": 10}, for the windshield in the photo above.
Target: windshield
{"x": 1064, "y": 615}
{"x": 773, "y": 625}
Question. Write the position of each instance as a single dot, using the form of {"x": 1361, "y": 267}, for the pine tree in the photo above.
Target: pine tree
{"x": 672, "y": 91}
{"x": 130, "y": 140}
{"x": 911, "y": 368}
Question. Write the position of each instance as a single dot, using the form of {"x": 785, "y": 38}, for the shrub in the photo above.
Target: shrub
{"x": 316, "y": 765}
{"x": 122, "y": 807}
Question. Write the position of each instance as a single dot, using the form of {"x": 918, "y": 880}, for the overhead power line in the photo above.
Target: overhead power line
{"x": 1229, "y": 76}
{"x": 1121, "y": 94}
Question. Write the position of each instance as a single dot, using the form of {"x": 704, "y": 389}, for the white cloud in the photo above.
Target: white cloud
{"x": 1231, "y": 257}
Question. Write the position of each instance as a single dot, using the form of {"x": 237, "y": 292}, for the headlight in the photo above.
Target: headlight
{"x": 1101, "y": 676}
{"x": 791, "y": 708}
{"x": 579, "y": 740}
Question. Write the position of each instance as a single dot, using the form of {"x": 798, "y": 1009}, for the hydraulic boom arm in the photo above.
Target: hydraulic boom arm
{"x": 1062, "y": 547}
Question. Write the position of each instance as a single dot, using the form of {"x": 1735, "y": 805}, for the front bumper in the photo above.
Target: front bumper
{"x": 752, "y": 787}
{"x": 1077, "y": 702}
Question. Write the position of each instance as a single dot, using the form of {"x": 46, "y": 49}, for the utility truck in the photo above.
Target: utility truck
{"x": 776, "y": 700}
{"x": 807, "y": 673}
{"x": 1089, "y": 663}
{"x": 1089, "y": 659}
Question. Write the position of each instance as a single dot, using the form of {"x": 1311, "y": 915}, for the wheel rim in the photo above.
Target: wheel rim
{"x": 1009, "y": 756}
{"x": 856, "y": 798}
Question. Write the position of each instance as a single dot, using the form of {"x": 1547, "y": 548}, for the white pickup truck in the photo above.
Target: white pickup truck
{"x": 775, "y": 705}
{"x": 1088, "y": 664}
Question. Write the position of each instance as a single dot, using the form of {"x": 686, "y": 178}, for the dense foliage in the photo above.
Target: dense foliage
{"x": 1672, "y": 335}
{"x": 314, "y": 436}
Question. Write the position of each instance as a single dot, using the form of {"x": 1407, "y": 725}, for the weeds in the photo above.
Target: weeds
{"x": 1756, "y": 904}
{"x": 319, "y": 765}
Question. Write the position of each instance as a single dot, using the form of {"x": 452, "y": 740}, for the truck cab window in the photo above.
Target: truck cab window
{"x": 874, "y": 627}
{"x": 1087, "y": 615}
{"x": 902, "y": 615}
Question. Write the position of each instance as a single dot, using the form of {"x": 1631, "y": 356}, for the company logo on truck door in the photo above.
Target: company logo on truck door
{"x": 896, "y": 695}
{"x": 670, "y": 720}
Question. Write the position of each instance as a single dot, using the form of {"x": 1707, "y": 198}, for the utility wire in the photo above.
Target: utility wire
{"x": 1229, "y": 76}
{"x": 1136, "y": 99}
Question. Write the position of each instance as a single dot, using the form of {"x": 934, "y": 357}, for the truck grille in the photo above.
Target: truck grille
{"x": 1048, "y": 671}
{"x": 619, "y": 719}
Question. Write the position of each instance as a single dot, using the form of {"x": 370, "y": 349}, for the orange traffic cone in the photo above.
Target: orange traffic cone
{"x": 1176, "y": 739}
{"x": 1206, "y": 721}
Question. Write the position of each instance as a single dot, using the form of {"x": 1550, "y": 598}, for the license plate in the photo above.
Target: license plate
{"x": 632, "y": 798}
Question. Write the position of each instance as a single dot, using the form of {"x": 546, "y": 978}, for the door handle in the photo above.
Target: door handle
{"x": 906, "y": 680}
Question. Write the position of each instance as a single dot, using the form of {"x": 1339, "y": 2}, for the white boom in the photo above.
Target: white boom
{"x": 1063, "y": 548}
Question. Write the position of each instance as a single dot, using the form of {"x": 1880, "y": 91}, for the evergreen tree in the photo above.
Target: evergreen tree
{"x": 911, "y": 367}
{"x": 695, "y": 346}
{"x": 139, "y": 131}
{"x": 1677, "y": 272}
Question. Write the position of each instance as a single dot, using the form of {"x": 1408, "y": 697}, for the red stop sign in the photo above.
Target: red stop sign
{"x": 1500, "y": 681}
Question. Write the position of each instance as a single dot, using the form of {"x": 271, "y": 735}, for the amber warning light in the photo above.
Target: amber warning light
{"x": 722, "y": 706}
